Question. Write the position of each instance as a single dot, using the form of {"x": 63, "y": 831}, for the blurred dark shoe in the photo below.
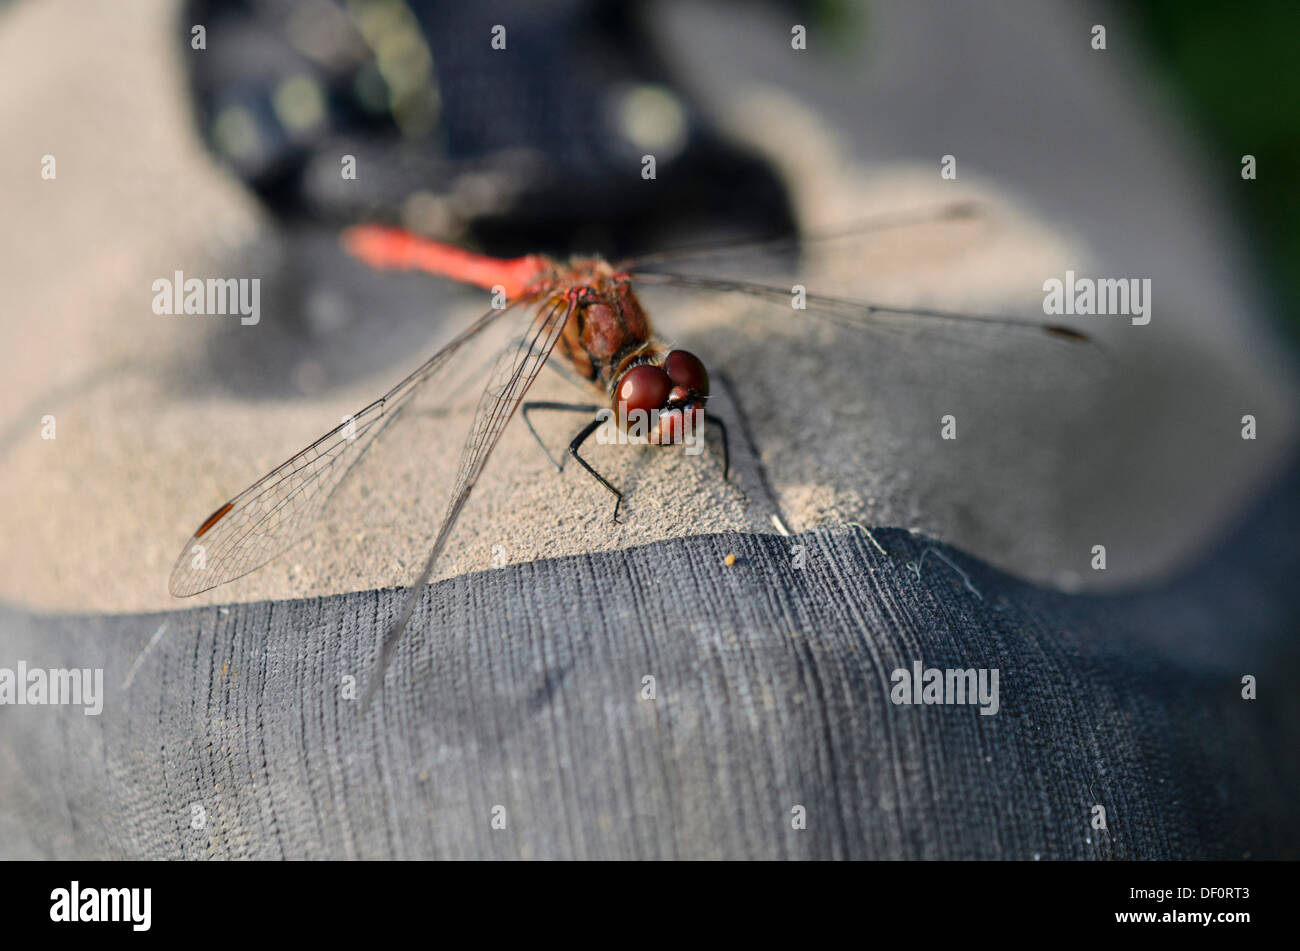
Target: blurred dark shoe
{"x": 520, "y": 129}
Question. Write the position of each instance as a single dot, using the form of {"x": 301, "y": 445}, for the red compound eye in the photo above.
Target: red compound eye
{"x": 645, "y": 388}
{"x": 686, "y": 369}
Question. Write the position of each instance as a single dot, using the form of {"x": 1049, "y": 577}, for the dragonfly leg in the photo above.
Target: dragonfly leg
{"x": 726, "y": 446}
{"x": 565, "y": 407}
{"x": 578, "y": 440}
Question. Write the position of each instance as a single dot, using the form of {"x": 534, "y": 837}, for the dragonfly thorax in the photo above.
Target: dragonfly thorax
{"x": 655, "y": 392}
{"x": 607, "y": 328}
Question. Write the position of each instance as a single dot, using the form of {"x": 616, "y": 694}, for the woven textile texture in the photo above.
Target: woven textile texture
{"x": 520, "y": 697}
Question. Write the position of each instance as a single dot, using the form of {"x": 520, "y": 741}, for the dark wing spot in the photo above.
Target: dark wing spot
{"x": 965, "y": 209}
{"x": 213, "y": 519}
{"x": 1057, "y": 330}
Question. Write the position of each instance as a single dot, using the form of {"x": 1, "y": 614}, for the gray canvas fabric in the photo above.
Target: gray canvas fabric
{"x": 521, "y": 688}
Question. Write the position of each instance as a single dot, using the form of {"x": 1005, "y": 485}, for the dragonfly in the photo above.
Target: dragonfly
{"x": 589, "y": 311}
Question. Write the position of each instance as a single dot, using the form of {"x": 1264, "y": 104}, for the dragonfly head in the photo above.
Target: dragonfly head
{"x": 664, "y": 401}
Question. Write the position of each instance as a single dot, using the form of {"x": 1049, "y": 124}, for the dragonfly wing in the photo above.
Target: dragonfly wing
{"x": 281, "y": 507}
{"x": 959, "y": 425}
{"x": 784, "y": 247}
{"x": 886, "y": 319}
{"x": 876, "y": 278}
{"x": 512, "y": 375}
